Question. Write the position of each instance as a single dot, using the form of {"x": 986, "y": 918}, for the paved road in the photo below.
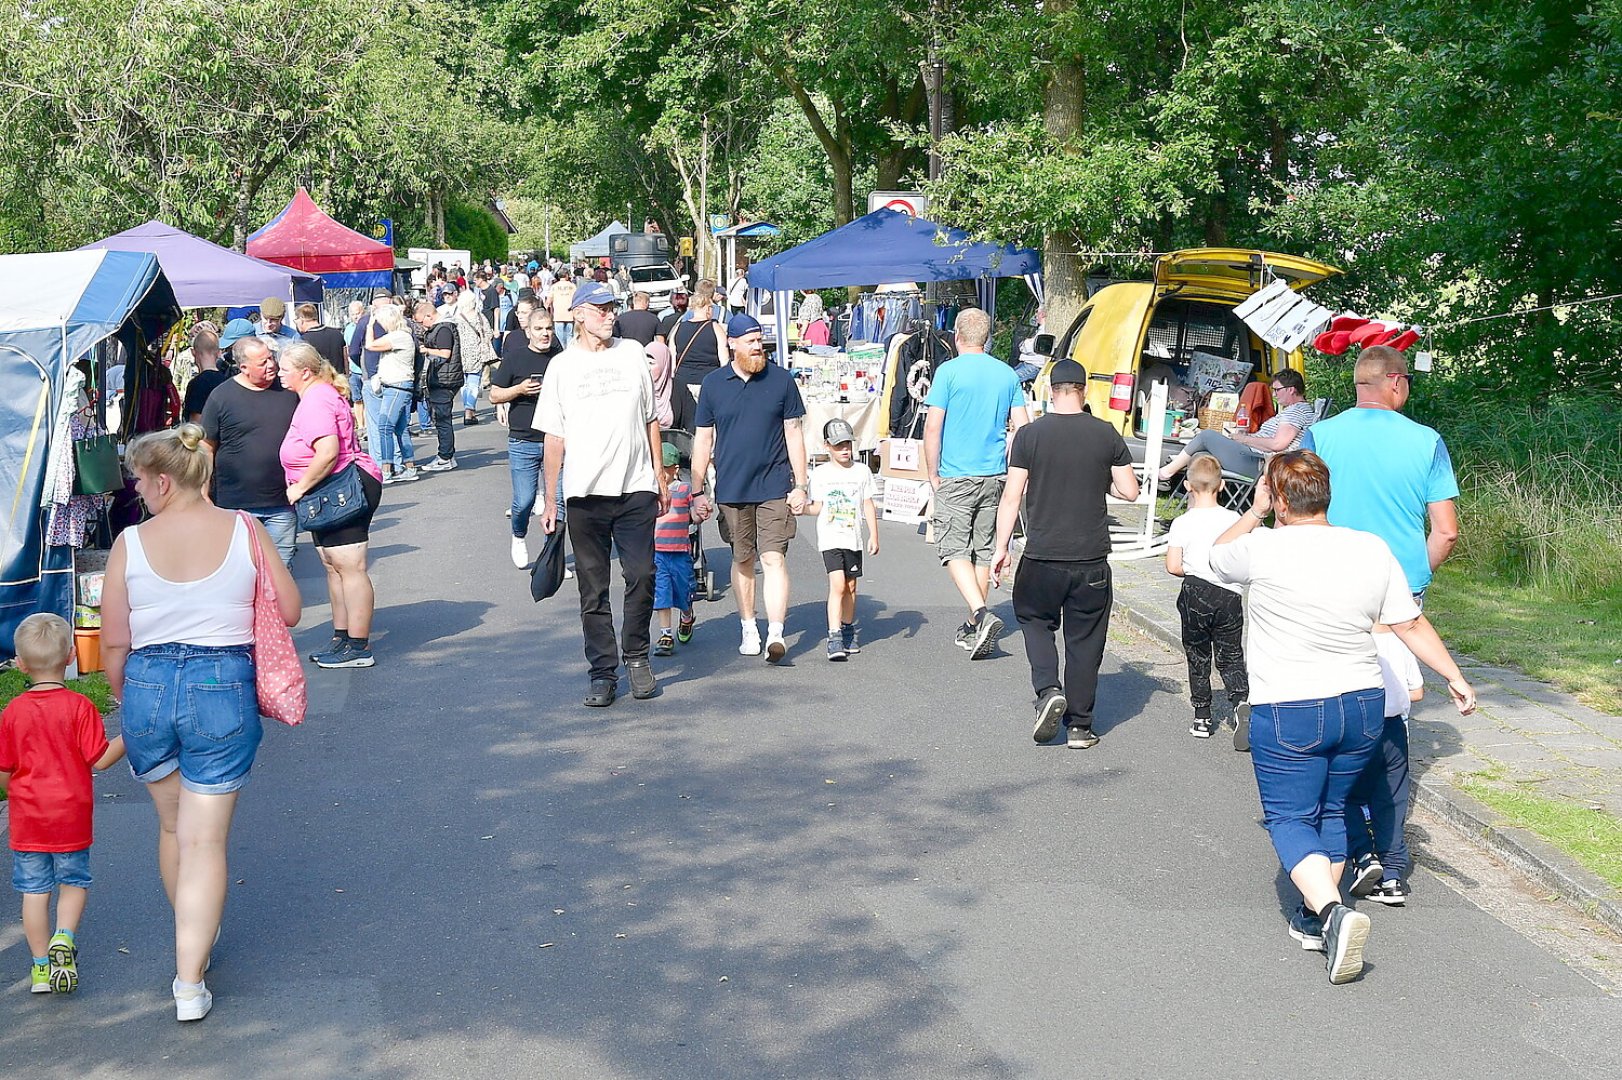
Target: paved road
{"x": 454, "y": 870}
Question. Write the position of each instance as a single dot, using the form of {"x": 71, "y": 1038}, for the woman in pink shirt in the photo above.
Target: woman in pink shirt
{"x": 320, "y": 443}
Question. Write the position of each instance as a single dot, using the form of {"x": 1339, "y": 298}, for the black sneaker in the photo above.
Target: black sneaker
{"x": 1366, "y": 874}
{"x": 1241, "y": 728}
{"x": 643, "y": 684}
{"x": 602, "y": 693}
{"x": 836, "y": 648}
{"x": 666, "y": 645}
{"x": 1308, "y": 929}
{"x": 1049, "y": 711}
{"x": 1081, "y": 738}
{"x": 847, "y": 631}
{"x": 349, "y": 655}
{"x": 1346, "y": 932}
{"x": 1202, "y": 727}
{"x": 985, "y": 636}
{"x": 1391, "y": 892}
{"x": 965, "y": 636}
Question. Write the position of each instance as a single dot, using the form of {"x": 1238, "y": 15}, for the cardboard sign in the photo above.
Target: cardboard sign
{"x": 907, "y": 500}
{"x": 903, "y": 458}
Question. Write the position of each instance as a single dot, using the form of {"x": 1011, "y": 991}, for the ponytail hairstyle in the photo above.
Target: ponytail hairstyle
{"x": 178, "y": 453}
{"x": 301, "y": 356}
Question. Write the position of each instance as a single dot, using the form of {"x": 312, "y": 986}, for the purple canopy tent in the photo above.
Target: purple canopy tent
{"x": 208, "y": 275}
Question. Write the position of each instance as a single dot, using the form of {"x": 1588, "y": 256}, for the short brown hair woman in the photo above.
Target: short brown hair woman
{"x": 1317, "y": 698}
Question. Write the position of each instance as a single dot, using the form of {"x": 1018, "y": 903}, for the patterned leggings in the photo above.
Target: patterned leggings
{"x": 1213, "y": 622}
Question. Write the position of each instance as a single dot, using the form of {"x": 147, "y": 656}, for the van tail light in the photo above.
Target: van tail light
{"x": 1120, "y": 392}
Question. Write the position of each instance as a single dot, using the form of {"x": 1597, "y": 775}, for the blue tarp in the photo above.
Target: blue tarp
{"x": 57, "y": 307}
{"x": 887, "y": 246}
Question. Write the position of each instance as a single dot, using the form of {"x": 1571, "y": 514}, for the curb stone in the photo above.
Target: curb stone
{"x": 1522, "y": 849}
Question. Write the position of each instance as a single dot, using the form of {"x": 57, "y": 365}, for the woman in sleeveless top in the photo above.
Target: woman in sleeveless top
{"x": 320, "y": 442}
{"x": 698, "y": 340}
{"x": 177, "y": 641}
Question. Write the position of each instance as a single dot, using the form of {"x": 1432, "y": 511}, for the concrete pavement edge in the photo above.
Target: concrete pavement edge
{"x": 1529, "y": 853}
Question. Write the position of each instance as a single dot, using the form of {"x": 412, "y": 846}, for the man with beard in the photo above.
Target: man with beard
{"x": 749, "y": 420}
{"x": 598, "y": 411}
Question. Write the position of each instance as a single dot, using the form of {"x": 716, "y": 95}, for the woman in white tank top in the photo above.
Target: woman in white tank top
{"x": 177, "y": 641}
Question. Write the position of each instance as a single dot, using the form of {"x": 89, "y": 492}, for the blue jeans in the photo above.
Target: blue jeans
{"x": 191, "y": 708}
{"x": 1307, "y": 755}
{"x": 395, "y": 414}
{"x": 564, "y": 332}
{"x": 1377, "y": 808}
{"x": 424, "y": 420}
{"x": 42, "y": 871}
{"x": 470, "y": 390}
{"x": 373, "y": 404}
{"x": 524, "y": 461}
{"x": 281, "y": 522}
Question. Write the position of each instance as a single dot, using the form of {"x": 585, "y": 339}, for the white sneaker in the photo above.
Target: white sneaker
{"x": 442, "y": 465}
{"x": 520, "y": 553}
{"x": 775, "y": 648}
{"x": 191, "y": 1004}
{"x": 750, "y": 646}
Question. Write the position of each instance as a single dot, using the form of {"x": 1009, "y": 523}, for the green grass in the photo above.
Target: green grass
{"x": 1592, "y": 837}
{"x": 1572, "y": 644}
{"x": 92, "y": 686}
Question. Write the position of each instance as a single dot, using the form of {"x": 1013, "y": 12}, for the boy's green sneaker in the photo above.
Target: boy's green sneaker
{"x": 64, "y": 967}
{"x": 40, "y": 980}
{"x": 684, "y": 628}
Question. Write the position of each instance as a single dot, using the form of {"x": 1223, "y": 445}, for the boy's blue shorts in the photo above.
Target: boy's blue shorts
{"x": 672, "y": 580}
{"x": 42, "y": 871}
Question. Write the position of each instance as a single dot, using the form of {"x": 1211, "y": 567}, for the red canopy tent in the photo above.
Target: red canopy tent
{"x": 304, "y": 237}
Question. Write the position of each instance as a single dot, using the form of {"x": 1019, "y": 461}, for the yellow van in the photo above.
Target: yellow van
{"x": 1187, "y": 309}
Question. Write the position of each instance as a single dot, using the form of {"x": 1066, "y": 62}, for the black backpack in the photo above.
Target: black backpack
{"x": 445, "y": 373}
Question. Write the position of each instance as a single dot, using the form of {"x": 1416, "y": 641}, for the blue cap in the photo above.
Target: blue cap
{"x": 235, "y": 331}
{"x": 739, "y": 325}
{"x": 593, "y": 292}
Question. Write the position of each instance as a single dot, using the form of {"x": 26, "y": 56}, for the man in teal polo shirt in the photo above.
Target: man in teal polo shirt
{"x": 749, "y": 420}
{"x": 972, "y": 403}
{"x": 1389, "y": 475}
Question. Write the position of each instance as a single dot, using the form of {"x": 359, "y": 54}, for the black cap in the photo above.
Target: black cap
{"x": 1066, "y": 371}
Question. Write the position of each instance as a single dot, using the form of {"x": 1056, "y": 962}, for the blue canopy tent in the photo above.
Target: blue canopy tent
{"x": 884, "y": 246}
{"x": 57, "y": 307}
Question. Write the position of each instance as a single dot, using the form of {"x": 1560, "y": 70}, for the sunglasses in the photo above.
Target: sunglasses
{"x": 1405, "y": 376}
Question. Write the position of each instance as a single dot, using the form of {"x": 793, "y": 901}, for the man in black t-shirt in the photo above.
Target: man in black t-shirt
{"x": 516, "y": 383}
{"x": 441, "y": 378}
{"x": 244, "y": 423}
{"x": 639, "y": 324}
{"x": 1067, "y": 462}
{"x": 328, "y": 340}
{"x": 205, "y": 351}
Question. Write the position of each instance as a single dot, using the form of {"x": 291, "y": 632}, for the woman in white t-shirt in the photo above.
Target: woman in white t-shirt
{"x": 177, "y": 641}
{"x": 1317, "y": 696}
{"x": 395, "y": 384}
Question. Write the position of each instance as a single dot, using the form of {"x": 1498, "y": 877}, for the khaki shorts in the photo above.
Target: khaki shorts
{"x": 752, "y": 528}
{"x": 966, "y": 518}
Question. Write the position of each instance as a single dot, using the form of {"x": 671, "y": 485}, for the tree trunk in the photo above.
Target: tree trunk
{"x": 1064, "y": 110}
{"x": 437, "y": 209}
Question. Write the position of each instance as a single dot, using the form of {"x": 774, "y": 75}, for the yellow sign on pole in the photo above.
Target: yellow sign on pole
{"x": 686, "y": 247}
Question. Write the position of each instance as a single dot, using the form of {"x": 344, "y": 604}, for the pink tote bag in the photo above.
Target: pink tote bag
{"x": 278, "y": 676}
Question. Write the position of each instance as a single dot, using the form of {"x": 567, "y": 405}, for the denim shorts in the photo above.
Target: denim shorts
{"x": 42, "y": 871}
{"x": 192, "y": 708}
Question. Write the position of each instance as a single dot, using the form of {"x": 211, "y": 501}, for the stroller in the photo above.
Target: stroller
{"x": 703, "y": 578}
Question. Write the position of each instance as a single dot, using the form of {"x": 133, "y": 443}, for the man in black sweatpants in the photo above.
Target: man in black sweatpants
{"x": 1067, "y": 461}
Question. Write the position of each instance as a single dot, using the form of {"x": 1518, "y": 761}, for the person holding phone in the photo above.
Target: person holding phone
{"x": 516, "y": 385}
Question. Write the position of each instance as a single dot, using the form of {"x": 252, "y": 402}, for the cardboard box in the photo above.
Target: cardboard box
{"x": 903, "y": 459}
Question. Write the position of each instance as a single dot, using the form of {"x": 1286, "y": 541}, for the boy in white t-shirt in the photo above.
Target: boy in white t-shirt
{"x": 1377, "y": 808}
{"x": 841, "y": 495}
{"x": 1213, "y": 613}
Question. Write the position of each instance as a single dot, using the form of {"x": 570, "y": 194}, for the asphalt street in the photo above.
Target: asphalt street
{"x": 815, "y": 870}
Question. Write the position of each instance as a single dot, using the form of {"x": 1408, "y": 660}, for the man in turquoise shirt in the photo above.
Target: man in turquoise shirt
{"x": 1389, "y": 475}
{"x": 972, "y": 403}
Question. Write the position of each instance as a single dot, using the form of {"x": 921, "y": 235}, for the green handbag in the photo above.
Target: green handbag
{"x": 96, "y": 468}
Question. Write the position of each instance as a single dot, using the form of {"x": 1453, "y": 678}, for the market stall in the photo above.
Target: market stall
{"x": 59, "y": 308}
{"x": 304, "y": 237}
{"x": 206, "y": 275}
{"x": 596, "y": 247}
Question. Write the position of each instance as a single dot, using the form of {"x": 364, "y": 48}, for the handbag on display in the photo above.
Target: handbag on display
{"x": 95, "y": 466}
{"x": 334, "y": 502}
{"x": 278, "y": 678}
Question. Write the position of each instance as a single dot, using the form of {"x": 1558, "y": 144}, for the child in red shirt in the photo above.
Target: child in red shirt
{"x": 673, "y": 561}
{"x": 50, "y": 739}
